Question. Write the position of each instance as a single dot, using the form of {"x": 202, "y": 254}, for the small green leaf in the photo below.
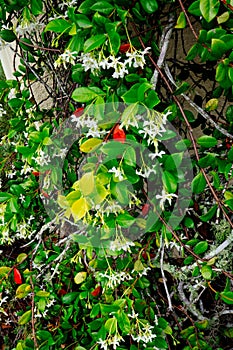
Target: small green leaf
{"x": 169, "y": 182}
{"x": 206, "y": 272}
{"x": 103, "y": 7}
{"x": 227, "y": 297}
{"x": 125, "y": 220}
{"x": 200, "y": 247}
{"x": 209, "y": 9}
{"x": 83, "y": 94}
{"x": 94, "y": 42}
{"x": 181, "y": 89}
{"x": 58, "y": 26}
{"x": 87, "y": 183}
{"x": 90, "y": 145}
{"x": 210, "y": 213}
{"x": 207, "y": 141}
{"x": 7, "y": 35}
{"x": 69, "y": 298}
{"x": 21, "y": 257}
{"x": 111, "y": 325}
{"x": 80, "y": 277}
{"x": 223, "y": 17}
{"x": 4, "y": 196}
{"x": 25, "y": 318}
{"x": 212, "y": 104}
{"x": 181, "y": 21}
{"x": 149, "y": 6}
{"x": 42, "y": 293}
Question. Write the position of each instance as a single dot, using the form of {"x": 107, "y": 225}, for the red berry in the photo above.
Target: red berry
{"x": 36, "y": 173}
{"x": 17, "y": 276}
{"x": 45, "y": 194}
{"x": 96, "y": 291}
{"x": 119, "y": 134}
{"x": 124, "y": 48}
{"x": 61, "y": 292}
{"x": 145, "y": 209}
{"x": 78, "y": 112}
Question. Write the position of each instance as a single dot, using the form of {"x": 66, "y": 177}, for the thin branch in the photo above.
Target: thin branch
{"x": 220, "y": 248}
{"x": 170, "y": 308}
{"x": 164, "y": 43}
{"x": 195, "y": 106}
{"x": 188, "y": 19}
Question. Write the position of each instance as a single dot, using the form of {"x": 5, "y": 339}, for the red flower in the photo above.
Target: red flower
{"x": 78, "y": 112}
{"x": 62, "y": 292}
{"x": 36, "y": 173}
{"x": 124, "y": 48}
{"x": 96, "y": 291}
{"x": 145, "y": 209}
{"x": 45, "y": 194}
{"x": 119, "y": 134}
{"x": 17, "y": 276}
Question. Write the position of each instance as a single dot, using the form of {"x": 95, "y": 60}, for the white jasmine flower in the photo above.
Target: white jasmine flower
{"x": 2, "y": 111}
{"x": 146, "y": 172}
{"x": 89, "y": 61}
{"x": 103, "y": 344}
{"x": 117, "y": 173}
{"x": 137, "y": 58}
{"x": 66, "y": 57}
{"x": 165, "y": 196}
{"x": 12, "y": 94}
{"x": 22, "y": 197}
{"x": 133, "y": 314}
{"x": 120, "y": 243}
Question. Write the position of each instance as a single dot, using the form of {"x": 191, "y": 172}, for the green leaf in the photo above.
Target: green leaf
{"x": 103, "y": 7}
{"x": 36, "y": 7}
{"x": 130, "y": 156}
{"x": 83, "y": 21}
{"x": 229, "y": 203}
{"x": 182, "y": 88}
{"x": 58, "y": 26}
{"x": 209, "y": 9}
{"x": 85, "y": 7}
{"x": 69, "y": 298}
{"x": 181, "y": 21}
{"x": 149, "y": 6}
{"x": 123, "y": 322}
{"x": 7, "y": 35}
{"x": 227, "y": 297}
{"x": 152, "y": 99}
{"x": 83, "y": 94}
{"x": 21, "y": 257}
{"x": 115, "y": 41}
{"x": 42, "y": 294}
{"x": 218, "y": 48}
{"x": 210, "y": 213}
{"x": 169, "y": 182}
{"x": 14, "y": 208}
{"x": 160, "y": 343}
{"x": 87, "y": 183}
{"x": 129, "y": 113}
{"x": 80, "y": 277}
{"x": 94, "y": 42}
{"x": 198, "y": 183}
{"x": 4, "y": 196}
{"x": 200, "y": 247}
{"x": 194, "y": 8}
{"x": 223, "y": 17}
{"x": 221, "y": 72}
{"x": 125, "y": 220}
{"x": 111, "y": 325}
{"x": 4, "y": 270}
{"x": 207, "y": 141}
{"x": 90, "y": 145}
{"x": 207, "y": 272}
{"x": 25, "y": 318}
{"x": 208, "y": 160}
{"x": 23, "y": 290}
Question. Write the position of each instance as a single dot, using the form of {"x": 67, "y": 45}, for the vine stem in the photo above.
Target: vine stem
{"x": 190, "y": 131}
{"x": 188, "y": 19}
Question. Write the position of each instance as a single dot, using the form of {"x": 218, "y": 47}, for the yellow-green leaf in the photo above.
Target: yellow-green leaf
{"x": 90, "y": 145}
{"x": 138, "y": 266}
{"x": 23, "y": 290}
{"x": 80, "y": 277}
{"x": 212, "y": 104}
{"x": 4, "y": 270}
{"x": 79, "y": 208}
{"x": 25, "y": 318}
{"x": 42, "y": 293}
{"x": 87, "y": 183}
{"x": 21, "y": 257}
{"x": 181, "y": 21}
{"x": 223, "y": 17}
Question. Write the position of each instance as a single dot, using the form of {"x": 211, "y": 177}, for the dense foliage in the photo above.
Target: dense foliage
{"x": 116, "y": 158}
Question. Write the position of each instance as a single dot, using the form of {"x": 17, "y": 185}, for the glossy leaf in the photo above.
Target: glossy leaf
{"x": 209, "y": 9}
